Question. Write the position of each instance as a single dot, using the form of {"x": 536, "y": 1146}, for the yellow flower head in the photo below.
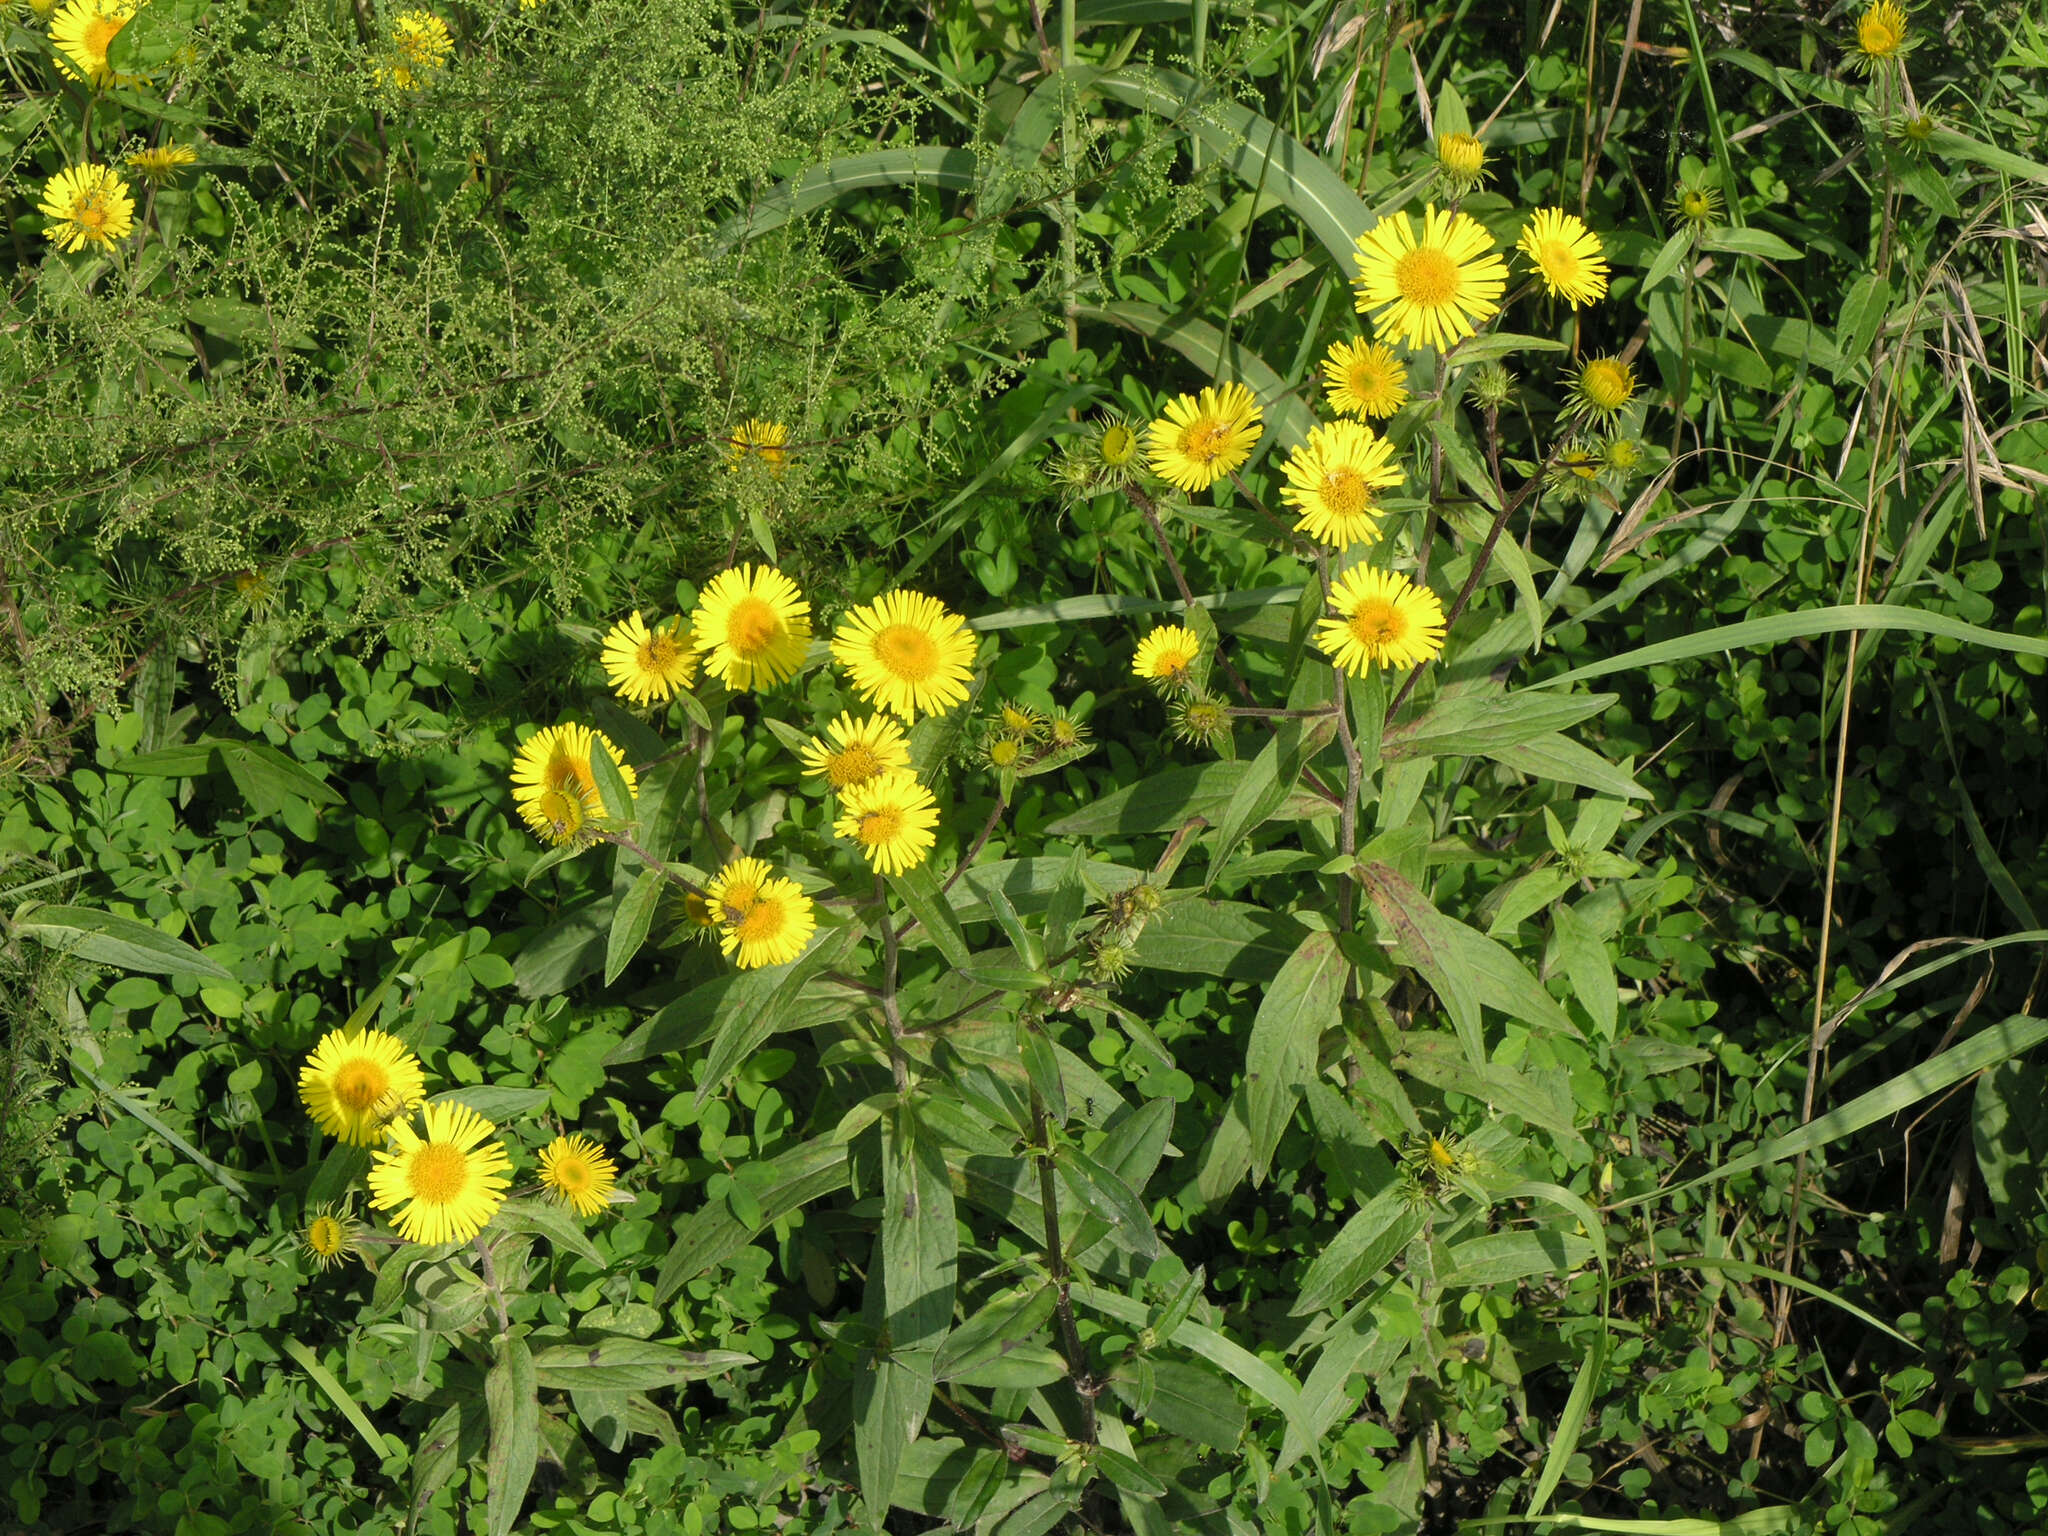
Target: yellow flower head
{"x": 752, "y": 626}
{"x": 420, "y": 47}
{"x": 765, "y": 440}
{"x": 1167, "y": 655}
{"x": 1432, "y": 290}
{"x": 892, "y": 818}
{"x": 42, "y": 8}
{"x": 1623, "y": 456}
{"x": 1462, "y": 158}
{"x": 1064, "y": 733}
{"x": 1365, "y": 378}
{"x": 859, "y": 750}
{"x": 1383, "y": 619}
{"x": 355, "y": 1085}
{"x": 1696, "y": 203}
{"x": 446, "y": 1184}
{"x": 1201, "y": 720}
{"x": 1566, "y": 256}
{"x": 1602, "y": 388}
{"x": 552, "y": 781}
{"x": 763, "y": 918}
{"x": 82, "y": 33}
{"x": 329, "y": 1237}
{"x": 1118, "y": 446}
{"x": 91, "y": 206}
{"x": 645, "y": 666}
{"x": 906, "y": 652}
{"x": 1003, "y": 751}
{"x": 1881, "y": 34}
{"x": 160, "y": 163}
{"x": 577, "y": 1172}
{"x": 1201, "y": 438}
{"x": 1335, "y": 478}
{"x": 1021, "y": 721}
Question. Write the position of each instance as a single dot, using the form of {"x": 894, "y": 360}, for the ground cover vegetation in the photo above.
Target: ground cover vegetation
{"x": 1133, "y": 766}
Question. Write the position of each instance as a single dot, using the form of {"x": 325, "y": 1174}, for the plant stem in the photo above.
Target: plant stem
{"x": 1056, "y": 1260}
{"x": 980, "y": 840}
{"x": 899, "y": 1064}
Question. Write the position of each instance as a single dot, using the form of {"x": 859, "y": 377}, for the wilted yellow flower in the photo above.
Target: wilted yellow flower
{"x": 160, "y": 163}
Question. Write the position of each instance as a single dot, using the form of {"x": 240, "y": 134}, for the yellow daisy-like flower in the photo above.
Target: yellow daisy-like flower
{"x": 354, "y": 1085}
{"x": 329, "y": 1238}
{"x": 1021, "y": 721}
{"x": 906, "y": 652}
{"x": 1566, "y": 256}
{"x": 763, "y": 918}
{"x": 1202, "y": 438}
{"x": 1881, "y": 34}
{"x": 892, "y": 818}
{"x": 82, "y": 33}
{"x": 764, "y": 440}
{"x": 1432, "y": 290}
{"x": 858, "y": 751}
{"x": 1335, "y": 478}
{"x": 552, "y": 781}
{"x": 648, "y": 665}
{"x": 578, "y": 1173}
{"x": 445, "y": 1185}
{"x": 159, "y": 165}
{"x": 91, "y": 206}
{"x": 1602, "y": 388}
{"x": 1383, "y": 620}
{"x": 752, "y": 626}
{"x": 1365, "y": 378}
{"x": 1461, "y": 157}
{"x": 421, "y": 46}
{"x": 1167, "y": 655}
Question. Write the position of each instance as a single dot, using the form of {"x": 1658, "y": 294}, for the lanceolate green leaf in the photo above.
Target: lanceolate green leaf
{"x": 110, "y": 939}
{"x": 710, "y": 1235}
{"x": 1298, "y": 1007}
{"x": 1255, "y": 149}
{"x": 512, "y": 1397}
{"x": 1999, "y": 1043}
{"x": 1779, "y": 628}
{"x": 953, "y": 169}
{"x": 920, "y": 1244}
{"x": 629, "y": 1365}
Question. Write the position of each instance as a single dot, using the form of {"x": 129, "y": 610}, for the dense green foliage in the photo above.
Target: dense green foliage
{"x": 1638, "y": 1114}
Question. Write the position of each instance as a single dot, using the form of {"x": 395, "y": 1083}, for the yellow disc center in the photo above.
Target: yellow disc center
{"x": 1607, "y": 384}
{"x": 438, "y": 1172}
{"x": 763, "y": 920}
{"x": 1205, "y": 439}
{"x": 879, "y": 827}
{"x": 1559, "y": 260}
{"x": 90, "y": 214}
{"x": 1427, "y": 276}
{"x": 907, "y": 652}
{"x": 361, "y": 1083}
{"x": 572, "y": 1175}
{"x": 1877, "y": 36}
{"x": 1118, "y": 445}
{"x": 660, "y": 653}
{"x": 562, "y": 812}
{"x": 852, "y": 765}
{"x": 1345, "y": 492}
{"x": 1367, "y": 381}
{"x": 751, "y": 627}
{"x": 1376, "y": 623}
{"x": 99, "y": 32}
{"x": 324, "y": 1236}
